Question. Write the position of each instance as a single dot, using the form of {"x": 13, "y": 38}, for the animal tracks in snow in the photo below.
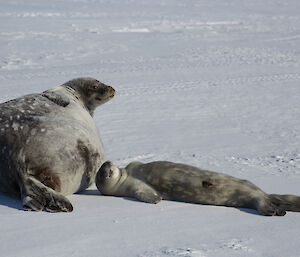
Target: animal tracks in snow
{"x": 154, "y": 88}
{"x": 228, "y": 247}
{"x": 280, "y": 164}
{"x": 174, "y": 252}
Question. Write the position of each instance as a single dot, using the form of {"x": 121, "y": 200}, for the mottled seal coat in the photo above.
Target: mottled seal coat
{"x": 154, "y": 181}
{"x": 49, "y": 144}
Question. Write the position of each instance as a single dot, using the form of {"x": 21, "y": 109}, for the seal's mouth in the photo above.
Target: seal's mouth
{"x": 104, "y": 98}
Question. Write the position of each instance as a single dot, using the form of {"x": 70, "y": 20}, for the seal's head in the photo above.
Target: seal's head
{"x": 107, "y": 178}
{"x": 90, "y": 91}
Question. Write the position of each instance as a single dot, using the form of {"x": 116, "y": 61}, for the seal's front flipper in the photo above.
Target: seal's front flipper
{"x": 37, "y": 197}
{"x": 147, "y": 194}
{"x": 267, "y": 208}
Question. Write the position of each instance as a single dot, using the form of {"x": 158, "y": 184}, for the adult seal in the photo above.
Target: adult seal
{"x": 154, "y": 181}
{"x": 50, "y": 146}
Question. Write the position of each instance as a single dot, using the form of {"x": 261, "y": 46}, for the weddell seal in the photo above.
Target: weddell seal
{"x": 151, "y": 182}
{"x": 50, "y": 146}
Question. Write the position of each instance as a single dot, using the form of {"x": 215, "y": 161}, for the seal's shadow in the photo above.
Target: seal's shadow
{"x": 250, "y": 211}
{"x": 89, "y": 192}
{"x": 96, "y": 192}
{"x": 10, "y": 202}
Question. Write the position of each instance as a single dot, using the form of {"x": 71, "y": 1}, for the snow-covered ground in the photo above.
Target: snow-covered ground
{"x": 210, "y": 83}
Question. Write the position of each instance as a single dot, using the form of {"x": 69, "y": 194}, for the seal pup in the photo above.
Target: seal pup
{"x": 50, "y": 146}
{"x": 152, "y": 182}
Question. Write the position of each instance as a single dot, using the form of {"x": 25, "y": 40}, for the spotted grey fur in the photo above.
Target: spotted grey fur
{"x": 50, "y": 146}
{"x": 154, "y": 181}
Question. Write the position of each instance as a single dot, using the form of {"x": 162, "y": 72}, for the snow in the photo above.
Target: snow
{"x": 209, "y": 83}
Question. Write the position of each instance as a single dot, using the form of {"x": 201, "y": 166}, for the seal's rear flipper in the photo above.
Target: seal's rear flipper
{"x": 268, "y": 208}
{"x": 286, "y": 202}
{"x": 37, "y": 197}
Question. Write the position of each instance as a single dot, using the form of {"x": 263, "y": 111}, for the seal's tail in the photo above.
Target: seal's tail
{"x": 286, "y": 202}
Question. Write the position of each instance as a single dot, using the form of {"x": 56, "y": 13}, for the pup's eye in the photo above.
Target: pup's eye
{"x": 95, "y": 87}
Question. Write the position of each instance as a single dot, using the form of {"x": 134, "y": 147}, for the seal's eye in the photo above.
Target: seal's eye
{"x": 95, "y": 87}
{"x": 110, "y": 173}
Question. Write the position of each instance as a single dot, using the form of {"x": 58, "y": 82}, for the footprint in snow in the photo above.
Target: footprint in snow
{"x": 174, "y": 252}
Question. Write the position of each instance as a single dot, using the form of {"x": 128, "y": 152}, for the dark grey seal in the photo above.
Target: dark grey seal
{"x": 151, "y": 182}
{"x": 50, "y": 146}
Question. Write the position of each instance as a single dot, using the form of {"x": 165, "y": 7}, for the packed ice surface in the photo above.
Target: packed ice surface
{"x": 214, "y": 84}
